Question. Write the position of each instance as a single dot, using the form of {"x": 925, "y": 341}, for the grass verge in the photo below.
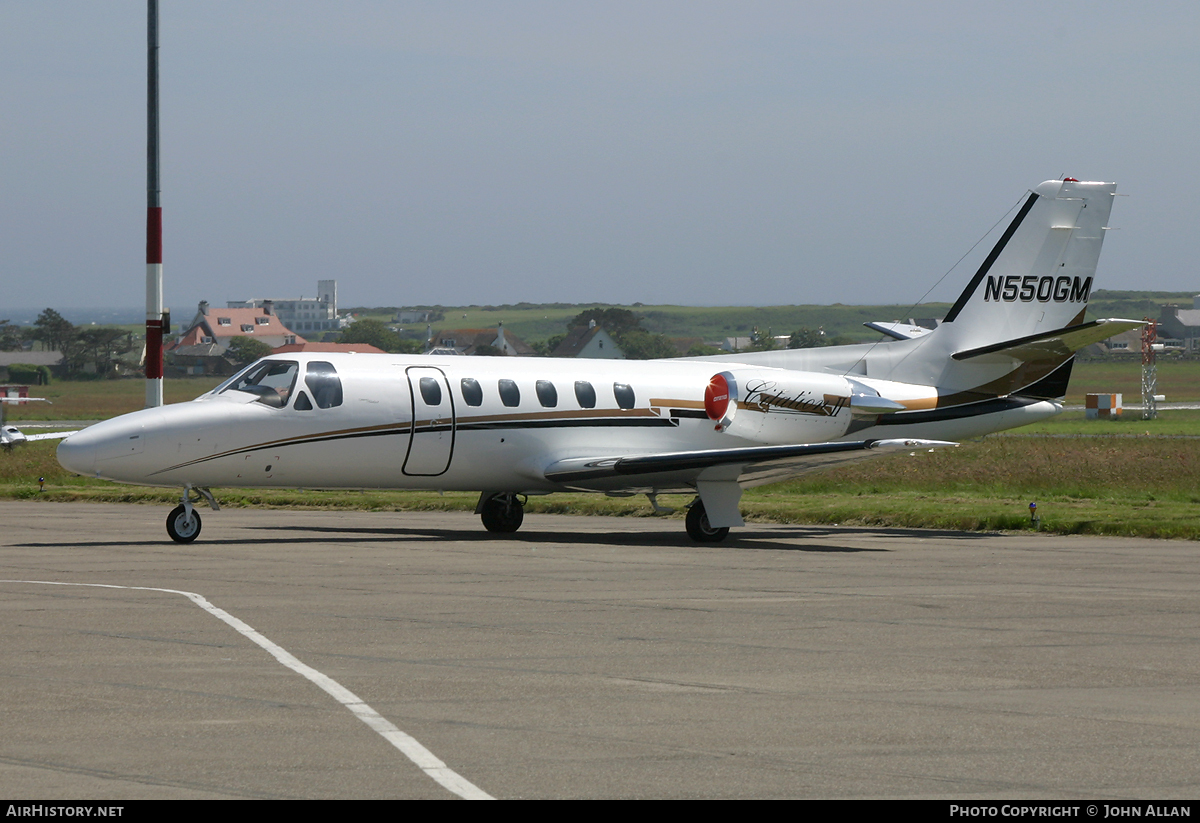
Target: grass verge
{"x": 1130, "y": 486}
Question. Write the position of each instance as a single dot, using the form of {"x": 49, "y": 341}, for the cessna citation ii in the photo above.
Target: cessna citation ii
{"x": 709, "y": 427}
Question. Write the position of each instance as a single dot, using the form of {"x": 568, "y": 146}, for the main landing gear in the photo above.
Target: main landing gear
{"x": 183, "y": 523}
{"x": 501, "y": 513}
{"x": 698, "y": 528}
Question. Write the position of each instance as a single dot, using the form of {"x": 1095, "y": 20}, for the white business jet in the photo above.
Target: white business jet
{"x": 709, "y": 427}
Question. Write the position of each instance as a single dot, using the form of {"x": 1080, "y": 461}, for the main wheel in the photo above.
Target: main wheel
{"x": 183, "y": 529}
{"x": 502, "y": 514}
{"x": 698, "y": 528}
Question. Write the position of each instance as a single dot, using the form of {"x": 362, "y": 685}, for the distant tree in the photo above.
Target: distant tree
{"x": 486, "y": 350}
{"x": 625, "y": 327}
{"x": 245, "y": 350}
{"x": 376, "y": 333}
{"x": 701, "y": 350}
{"x": 615, "y": 321}
{"x": 53, "y": 330}
{"x": 547, "y": 347}
{"x": 98, "y": 346}
{"x": 10, "y": 336}
{"x": 373, "y": 333}
{"x": 806, "y": 338}
{"x": 642, "y": 345}
{"x": 761, "y": 341}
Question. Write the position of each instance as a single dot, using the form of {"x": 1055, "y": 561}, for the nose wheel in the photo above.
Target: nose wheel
{"x": 183, "y": 524}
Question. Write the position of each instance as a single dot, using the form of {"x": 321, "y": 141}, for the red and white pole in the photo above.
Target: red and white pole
{"x": 154, "y": 282}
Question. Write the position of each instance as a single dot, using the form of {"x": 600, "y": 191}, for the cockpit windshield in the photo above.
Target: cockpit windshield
{"x": 271, "y": 380}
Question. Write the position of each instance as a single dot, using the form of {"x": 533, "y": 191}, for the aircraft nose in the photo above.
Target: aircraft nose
{"x": 77, "y": 453}
{"x": 107, "y": 449}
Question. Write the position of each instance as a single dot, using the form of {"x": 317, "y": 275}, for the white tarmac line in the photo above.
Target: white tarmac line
{"x": 408, "y": 745}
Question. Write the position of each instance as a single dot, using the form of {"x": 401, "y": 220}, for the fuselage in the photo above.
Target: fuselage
{"x": 473, "y": 423}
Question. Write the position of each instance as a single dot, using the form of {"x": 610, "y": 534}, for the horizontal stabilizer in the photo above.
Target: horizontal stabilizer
{"x": 754, "y": 464}
{"x": 1053, "y": 344}
{"x": 899, "y": 331}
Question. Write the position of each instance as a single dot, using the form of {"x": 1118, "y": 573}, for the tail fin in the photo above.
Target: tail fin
{"x": 1038, "y": 277}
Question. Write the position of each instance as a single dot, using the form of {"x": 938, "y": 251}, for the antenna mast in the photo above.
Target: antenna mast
{"x": 154, "y": 282}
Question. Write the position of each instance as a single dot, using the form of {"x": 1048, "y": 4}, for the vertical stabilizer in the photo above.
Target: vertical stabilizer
{"x": 1039, "y": 275}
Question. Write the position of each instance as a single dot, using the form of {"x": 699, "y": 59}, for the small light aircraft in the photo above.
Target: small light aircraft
{"x": 710, "y": 427}
{"x": 11, "y": 436}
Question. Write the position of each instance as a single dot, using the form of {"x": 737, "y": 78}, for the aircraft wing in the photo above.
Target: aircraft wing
{"x": 51, "y": 436}
{"x": 1056, "y": 343}
{"x": 749, "y": 466}
{"x": 11, "y": 436}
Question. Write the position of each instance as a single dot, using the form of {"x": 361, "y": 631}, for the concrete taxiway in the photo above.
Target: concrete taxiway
{"x": 588, "y": 657}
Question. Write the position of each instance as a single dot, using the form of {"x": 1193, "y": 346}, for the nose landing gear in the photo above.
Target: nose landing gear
{"x": 183, "y": 523}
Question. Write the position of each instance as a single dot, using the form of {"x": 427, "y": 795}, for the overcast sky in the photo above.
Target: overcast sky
{"x": 662, "y": 152}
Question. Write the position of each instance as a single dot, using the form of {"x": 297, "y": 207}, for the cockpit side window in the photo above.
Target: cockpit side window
{"x": 323, "y": 381}
{"x": 271, "y": 380}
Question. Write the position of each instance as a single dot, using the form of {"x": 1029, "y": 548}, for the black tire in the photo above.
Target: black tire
{"x": 181, "y": 529}
{"x": 502, "y": 514}
{"x": 698, "y": 528}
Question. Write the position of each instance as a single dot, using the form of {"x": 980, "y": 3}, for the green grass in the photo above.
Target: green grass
{"x": 102, "y": 399}
{"x": 1169, "y": 423}
{"x": 1144, "y": 486}
{"x": 709, "y": 323}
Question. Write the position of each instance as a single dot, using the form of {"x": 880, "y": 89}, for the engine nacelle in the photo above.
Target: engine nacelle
{"x": 779, "y": 406}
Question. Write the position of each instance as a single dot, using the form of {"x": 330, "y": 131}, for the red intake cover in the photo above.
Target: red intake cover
{"x": 716, "y": 397}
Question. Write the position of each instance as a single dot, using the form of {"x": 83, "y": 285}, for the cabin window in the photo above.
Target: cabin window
{"x": 472, "y": 392}
{"x": 585, "y": 394}
{"x": 624, "y": 394}
{"x": 431, "y": 391}
{"x": 546, "y": 393}
{"x": 510, "y": 395}
{"x": 271, "y": 380}
{"x": 302, "y": 402}
{"x": 323, "y": 381}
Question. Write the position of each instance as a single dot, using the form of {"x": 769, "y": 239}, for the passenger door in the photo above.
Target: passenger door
{"x": 431, "y": 442}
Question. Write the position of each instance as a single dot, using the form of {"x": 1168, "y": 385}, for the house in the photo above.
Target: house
{"x": 201, "y": 347}
{"x": 590, "y": 341}
{"x": 478, "y": 341}
{"x": 1180, "y": 327}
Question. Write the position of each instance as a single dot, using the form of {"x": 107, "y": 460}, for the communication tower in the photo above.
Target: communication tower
{"x": 1149, "y": 370}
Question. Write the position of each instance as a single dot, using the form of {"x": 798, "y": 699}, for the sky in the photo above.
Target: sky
{"x": 694, "y": 153}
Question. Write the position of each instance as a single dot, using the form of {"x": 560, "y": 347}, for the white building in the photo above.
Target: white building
{"x": 302, "y": 315}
